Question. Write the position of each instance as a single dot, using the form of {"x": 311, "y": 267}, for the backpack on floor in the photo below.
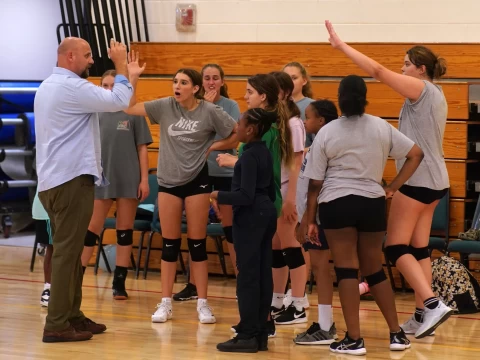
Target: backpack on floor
{"x": 455, "y": 285}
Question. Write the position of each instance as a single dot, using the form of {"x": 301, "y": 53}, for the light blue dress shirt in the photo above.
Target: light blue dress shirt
{"x": 66, "y": 126}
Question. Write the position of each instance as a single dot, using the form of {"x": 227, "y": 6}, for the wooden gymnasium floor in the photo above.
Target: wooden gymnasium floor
{"x": 131, "y": 335}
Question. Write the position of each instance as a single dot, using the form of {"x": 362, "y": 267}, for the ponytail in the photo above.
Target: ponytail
{"x": 285, "y": 135}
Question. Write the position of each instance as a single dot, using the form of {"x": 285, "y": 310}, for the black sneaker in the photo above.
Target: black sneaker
{"x": 239, "y": 345}
{"x": 291, "y": 316}
{"x": 275, "y": 312}
{"x": 45, "y": 297}
{"x": 271, "y": 328}
{"x": 188, "y": 293}
{"x": 399, "y": 341}
{"x": 349, "y": 346}
{"x": 118, "y": 286}
{"x": 262, "y": 340}
{"x": 316, "y": 336}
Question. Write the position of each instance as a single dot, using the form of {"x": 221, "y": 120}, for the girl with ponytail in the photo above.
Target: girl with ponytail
{"x": 422, "y": 119}
{"x": 287, "y": 252}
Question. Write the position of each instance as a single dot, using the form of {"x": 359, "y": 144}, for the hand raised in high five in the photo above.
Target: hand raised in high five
{"x": 117, "y": 52}
{"x": 333, "y": 37}
{"x": 134, "y": 68}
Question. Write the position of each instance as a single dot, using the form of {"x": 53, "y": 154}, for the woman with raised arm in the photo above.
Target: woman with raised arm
{"x": 188, "y": 126}
{"x": 422, "y": 119}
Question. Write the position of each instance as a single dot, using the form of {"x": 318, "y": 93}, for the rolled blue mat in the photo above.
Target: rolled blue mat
{"x": 30, "y": 134}
{"x": 7, "y": 133}
{"x": 12, "y": 194}
{"x": 20, "y": 101}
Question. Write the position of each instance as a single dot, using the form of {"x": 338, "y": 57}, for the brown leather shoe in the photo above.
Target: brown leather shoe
{"x": 90, "y": 326}
{"x": 69, "y": 334}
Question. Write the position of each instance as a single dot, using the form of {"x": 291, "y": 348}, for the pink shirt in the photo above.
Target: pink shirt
{"x": 298, "y": 140}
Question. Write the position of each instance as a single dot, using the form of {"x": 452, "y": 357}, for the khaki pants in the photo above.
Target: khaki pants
{"x": 69, "y": 207}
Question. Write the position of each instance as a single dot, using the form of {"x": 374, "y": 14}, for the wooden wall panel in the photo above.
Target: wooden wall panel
{"x": 457, "y": 172}
{"x": 319, "y": 58}
{"x": 383, "y": 101}
{"x": 454, "y": 140}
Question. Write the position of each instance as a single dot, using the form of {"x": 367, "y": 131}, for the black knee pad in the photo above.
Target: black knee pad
{"x": 278, "y": 261}
{"x": 293, "y": 257}
{"x": 395, "y": 252}
{"x": 345, "y": 273}
{"x": 91, "y": 239}
{"x": 198, "y": 249}
{"x": 419, "y": 253}
{"x": 125, "y": 237}
{"x": 376, "y": 278}
{"x": 228, "y": 234}
{"x": 171, "y": 248}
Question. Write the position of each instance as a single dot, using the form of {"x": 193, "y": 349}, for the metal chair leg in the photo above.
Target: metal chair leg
{"x": 147, "y": 257}
{"x": 221, "y": 255}
{"x": 139, "y": 256}
{"x": 34, "y": 254}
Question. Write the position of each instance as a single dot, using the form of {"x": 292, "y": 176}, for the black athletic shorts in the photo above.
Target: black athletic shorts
{"x": 323, "y": 241}
{"x": 364, "y": 214}
{"x": 220, "y": 183}
{"x": 43, "y": 232}
{"x": 422, "y": 194}
{"x": 199, "y": 185}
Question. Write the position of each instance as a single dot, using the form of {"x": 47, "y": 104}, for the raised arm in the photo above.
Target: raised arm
{"x": 134, "y": 72}
{"x": 407, "y": 86}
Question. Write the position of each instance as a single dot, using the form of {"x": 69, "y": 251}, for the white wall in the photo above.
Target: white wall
{"x": 28, "y": 40}
{"x": 302, "y": 20}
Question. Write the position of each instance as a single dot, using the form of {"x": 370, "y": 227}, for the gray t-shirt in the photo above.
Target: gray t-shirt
{"x": 350, "y": 154}
{"x": 424, "y": 122}
{"x": 302, "y": 105}
{"x": 231, "y": 108}
{"x": 185, "y": 137}
{"x": 120, "y": 134}
{"x": 302, "y": 188}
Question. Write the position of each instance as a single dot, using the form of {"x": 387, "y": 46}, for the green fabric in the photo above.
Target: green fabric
{"x": 464, "y": 247}
{"x": 271, "y": 140}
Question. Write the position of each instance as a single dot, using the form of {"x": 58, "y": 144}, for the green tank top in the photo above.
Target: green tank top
{"x": 271, "y": 140}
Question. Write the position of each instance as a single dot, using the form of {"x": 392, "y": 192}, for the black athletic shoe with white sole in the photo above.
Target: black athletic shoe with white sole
{"x": 291, "y": 316}
{"x": 399, "y": 341}
{"x": 276, "y": 312}
{"x": 188, "y": 293}
{"x": 349, "y": 346}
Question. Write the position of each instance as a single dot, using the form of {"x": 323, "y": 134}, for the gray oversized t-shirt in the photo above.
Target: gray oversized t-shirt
{"x": 120, "y": 135}
{"x": 231, "y": 108}
{"x": 350, "y": 154}
{"x": 424, "y": 122}
{"x": 185, "y": 137}
{"x": 302, "y": 105}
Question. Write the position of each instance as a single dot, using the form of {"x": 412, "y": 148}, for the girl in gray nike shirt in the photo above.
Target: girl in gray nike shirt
{"x": 422, "y": 119}
{"x": 188, "y": 127}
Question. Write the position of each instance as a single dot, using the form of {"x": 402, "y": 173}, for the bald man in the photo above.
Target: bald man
{"x": 68, "y": 168}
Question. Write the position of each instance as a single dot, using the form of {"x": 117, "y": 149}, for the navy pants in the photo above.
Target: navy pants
{"x": 253, "y": 229}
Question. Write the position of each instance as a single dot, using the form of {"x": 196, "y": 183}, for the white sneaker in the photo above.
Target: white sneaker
{"x": 163, "y": 313}
{"x": 411, "y": 326}
{"x": 287, "y": 300}
{"x": 432, "y": 319}
{"x": 205, "y": 314}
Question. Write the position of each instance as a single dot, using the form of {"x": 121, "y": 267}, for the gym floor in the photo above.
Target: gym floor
{"x": 131, "y": 334}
